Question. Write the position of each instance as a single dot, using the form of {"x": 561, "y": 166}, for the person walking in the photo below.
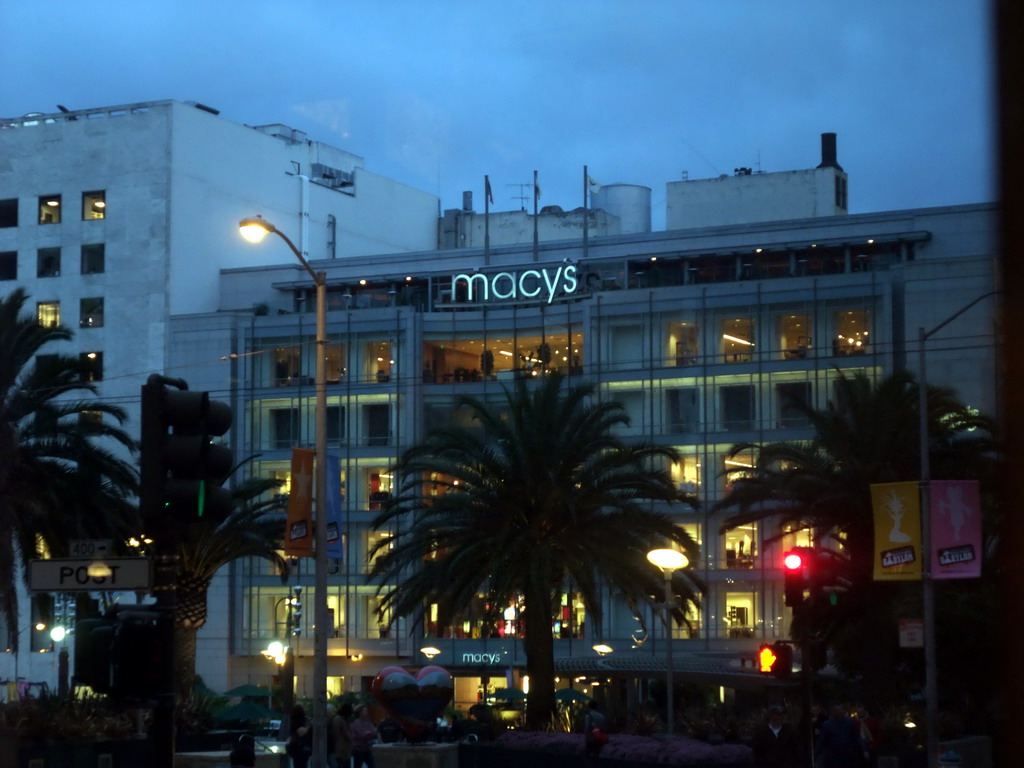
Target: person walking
{"x": 300, "y": 738}
{"x": 839, "y": 744}
{"x": 595, "y": 734}
{"x": 341, "y": 737}
{"x": 775, "y": 743}
{"x": 364, "y": 734}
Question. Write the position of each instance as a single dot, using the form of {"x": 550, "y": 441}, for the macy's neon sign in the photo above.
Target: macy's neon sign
{"x": 528, "y": 284}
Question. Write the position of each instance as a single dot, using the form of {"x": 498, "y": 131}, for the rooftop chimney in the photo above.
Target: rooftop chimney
{"x": 828, "y": 152}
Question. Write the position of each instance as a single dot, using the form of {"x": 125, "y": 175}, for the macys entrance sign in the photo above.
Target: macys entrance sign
{"x": 545, "y": 283}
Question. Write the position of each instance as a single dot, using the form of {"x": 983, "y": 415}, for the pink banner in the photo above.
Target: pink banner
{"x": 956, "y": 529}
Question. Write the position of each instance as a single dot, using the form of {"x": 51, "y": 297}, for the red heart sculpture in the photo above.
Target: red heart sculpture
{"x": 415, "y": 702}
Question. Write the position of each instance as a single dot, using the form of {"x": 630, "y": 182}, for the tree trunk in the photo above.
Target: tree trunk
{"x": 184, "y": 660}
{"x": 539, "y": 645}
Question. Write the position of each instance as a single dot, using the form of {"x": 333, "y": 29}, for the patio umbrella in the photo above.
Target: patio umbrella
{"x": 247, "y": 690}
{"x": 246, "y": 710}
{"x": 570, "y": 694}
{"x": 507, "y": 694}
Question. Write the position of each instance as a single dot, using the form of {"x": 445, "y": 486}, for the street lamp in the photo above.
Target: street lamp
{"x": 931, "y": 685}
{"x": 254, "y": 229}
{"x": 669, "y": 560}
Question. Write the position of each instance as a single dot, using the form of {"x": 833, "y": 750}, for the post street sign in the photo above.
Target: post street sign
{"x": 72, "y": 575}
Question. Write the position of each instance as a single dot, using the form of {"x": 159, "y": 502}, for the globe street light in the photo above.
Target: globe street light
{"x": 254, "y": 229}
{"x": 669, "y": 560}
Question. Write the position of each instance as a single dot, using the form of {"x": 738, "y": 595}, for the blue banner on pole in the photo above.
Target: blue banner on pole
{"x": 334, "y": 536}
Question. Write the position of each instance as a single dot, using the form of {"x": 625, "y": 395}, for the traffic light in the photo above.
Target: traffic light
{"x": 181, "y": 469}
{"x": 775, "y": 659}
{"x": 122, "y": 654}
{"x": 138, "y": 654}
{"x": 94, "y": 639}
{"x": 798, "y": 568}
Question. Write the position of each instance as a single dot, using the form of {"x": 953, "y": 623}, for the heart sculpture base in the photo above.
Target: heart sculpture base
{"x": 414, "y": 702}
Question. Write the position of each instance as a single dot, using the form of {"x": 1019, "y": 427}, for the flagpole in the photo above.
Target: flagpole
{"x": 586, "y": 214}
{"x": 536, "y": 241}
{"x": 487, "y": 219}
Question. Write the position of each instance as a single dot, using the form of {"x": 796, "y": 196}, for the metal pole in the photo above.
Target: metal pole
{"x": 670, "y": 705}
{"x": 931, "y": 669}
{"x": 320, "y": 611}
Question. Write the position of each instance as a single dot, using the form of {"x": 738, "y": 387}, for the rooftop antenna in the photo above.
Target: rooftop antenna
{"x": 523, "y": 196}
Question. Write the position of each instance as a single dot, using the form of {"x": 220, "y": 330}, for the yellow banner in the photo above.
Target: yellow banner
{"x": 298, "y": 533}
{"x": 897, "y": 514}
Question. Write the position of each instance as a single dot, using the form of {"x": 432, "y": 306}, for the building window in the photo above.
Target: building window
{"x": 92, "y": 366}
{"x": 9, "y": 265}
{"x": 790, "y": 396}
{"x": 284, "y": 427}
{"x": 794, "y": 335}
{"x": 683, "y": 409}
{"x": 335, "y": 424}
{"x": 49, "y": 209}
{"x": 287, "y": 361}
{"x": 852, "y": 329}
{"x": 91, "y": 313}
{"x": 94, "y": 205}
{"x": 334, "y": 363}
{"x": 379, "y": 485}
{"x": 737, "y": 406}
{"x": 378, "y": 360}
{"x": 684, "y": 346}
{"x": 93, "y": 259}
{"x": 740, "y": 546}
{"x": 737, "y": 339}
{"x": 377, "y": 423}
{"x": 9, "y": 213}
{"x": 48, "y": 262}
{"x": 48, "y": 313}
{"x": 686, "y": 474}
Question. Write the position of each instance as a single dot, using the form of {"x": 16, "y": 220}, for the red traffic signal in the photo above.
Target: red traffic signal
{"x": 775, "y": 659}
{"x": 793, "y": 560}
{"x": 798, "y": 568}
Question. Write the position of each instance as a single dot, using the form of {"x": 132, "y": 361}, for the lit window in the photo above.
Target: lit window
{"x": 49, "y": 209}
{"x": 852, "y": 332}
{"x": 794, "y": 335}
{"x": 48, "y": 262}
{"x": 90, "y": 418}
{"x": 737, "y": 339}
{"x": 48, "y": 313}
{"x": 94, "y": 205}
{"x": 9, "y": 265}
{"x": 93, "y": 259}
{"x": 91, "y": 366}
{"x": 91, "y": 313}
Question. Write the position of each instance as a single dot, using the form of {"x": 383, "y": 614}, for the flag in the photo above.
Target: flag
{"x": 897, "y": 516}
{"x": 298, "y": 534}
{"x": 333, "y": 508}
{"x": 592, "y": 186}
{"x": 956, "y": 529}
{"x": 487, "y": 190}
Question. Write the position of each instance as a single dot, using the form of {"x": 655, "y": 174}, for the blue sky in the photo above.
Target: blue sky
{"x": 437, "y": 93}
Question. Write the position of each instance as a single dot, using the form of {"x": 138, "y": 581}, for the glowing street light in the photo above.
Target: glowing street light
{"x": 254, "y": 229}
{"x": 669, "y": 560}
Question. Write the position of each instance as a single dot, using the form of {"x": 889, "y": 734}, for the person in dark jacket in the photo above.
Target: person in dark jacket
{"x": 775, "y": 742}
{"x": 839, "y": 744}
{"x": 300, "y": 738}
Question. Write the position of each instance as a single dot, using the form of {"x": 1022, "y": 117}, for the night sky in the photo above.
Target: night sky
{"x": 437, "y": 93}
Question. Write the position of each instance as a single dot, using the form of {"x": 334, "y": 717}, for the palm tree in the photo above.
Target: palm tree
{"x": 253, "y": 529}
{"x": 867, "y": 434}
{"x": 60, "y": 477}
{"x": 541, "y": 492}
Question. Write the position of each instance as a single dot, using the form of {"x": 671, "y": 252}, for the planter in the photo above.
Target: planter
{"x": 483, "y": 755}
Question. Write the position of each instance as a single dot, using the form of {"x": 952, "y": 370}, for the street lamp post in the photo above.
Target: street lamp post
{"x": 931, "y": 685}
{"x": 254, "y": 230}
{"x": 669, "y": 560}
